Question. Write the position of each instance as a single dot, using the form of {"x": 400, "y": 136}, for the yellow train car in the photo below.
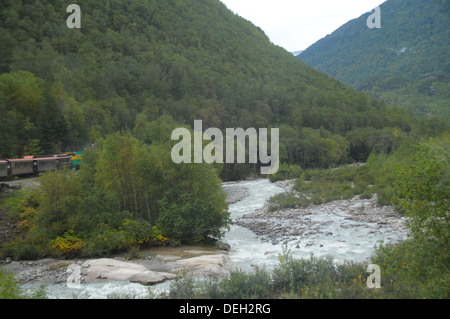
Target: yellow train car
{"x": 76, "y": 158}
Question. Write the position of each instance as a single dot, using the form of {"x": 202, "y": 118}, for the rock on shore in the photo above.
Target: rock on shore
{"x": 235, "y": 193}
{"x": 214, "y": 265}
{"x": 113, "y": 269}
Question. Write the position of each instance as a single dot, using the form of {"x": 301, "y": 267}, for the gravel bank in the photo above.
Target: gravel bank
{"x": 299, "y": 224}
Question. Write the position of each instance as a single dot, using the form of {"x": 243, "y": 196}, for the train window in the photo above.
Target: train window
{"x": 21, "y": 164}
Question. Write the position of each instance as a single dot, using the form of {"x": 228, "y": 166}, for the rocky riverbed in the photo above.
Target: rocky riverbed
{"x": 303, "y": 226}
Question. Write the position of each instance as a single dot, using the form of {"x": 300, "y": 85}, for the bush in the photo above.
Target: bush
{"x": 245, "y": 285}
{"x": 385, "y": 196}
{"x": 313, "y": 277}
{"x": 183, "y": 287}
{"x": 286, "y": 172}
{"x": 10, "y": 288}
{"x": 69, "y": 244}
{"x": 20, "y": 250}
{"x": 103, "y": 242}
{"x": 287, "y": 200}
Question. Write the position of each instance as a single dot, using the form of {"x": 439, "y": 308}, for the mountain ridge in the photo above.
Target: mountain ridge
{"x": 411, "y": 44}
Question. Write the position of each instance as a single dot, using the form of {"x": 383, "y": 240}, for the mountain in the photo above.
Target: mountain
{"x": 295, "y": 53}
{"x": 136, "y": 61}
{"x": 405, "y": 62}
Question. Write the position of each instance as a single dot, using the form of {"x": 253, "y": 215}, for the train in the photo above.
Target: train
{"x": 34, "y": 165}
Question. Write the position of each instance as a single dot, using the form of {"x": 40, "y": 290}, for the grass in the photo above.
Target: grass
{"x": 319, "y": 186}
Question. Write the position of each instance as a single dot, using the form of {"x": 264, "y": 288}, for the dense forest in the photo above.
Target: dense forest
{"x": 62, "y": 89}
{"x": 405, "y": 62}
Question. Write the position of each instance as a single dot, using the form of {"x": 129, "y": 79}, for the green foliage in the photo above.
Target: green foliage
{"x": 380, "y": 175}
{"x": 20, "y": 250}
{"x": 252, "y": 285}
{"x": 59, "y": 200}
{"x": 237, "y": 285}
{"x": 286, "y": 172}
{"x": 128, "y": 195}
{"x": 419, "y": 267}
{"x": 14, "y": 204}
{"x": 404, "y": 63}
{"x": 424, "y": 96}
{"x": 317, "y": 186}
{"x": 415, "y": 180}
{"x": 11, "y": 289}
{"x": 63, "y": 89}
{"x": 138, "y": 69}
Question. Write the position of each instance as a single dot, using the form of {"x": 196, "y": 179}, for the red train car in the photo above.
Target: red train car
{"x": 22, "y": 167}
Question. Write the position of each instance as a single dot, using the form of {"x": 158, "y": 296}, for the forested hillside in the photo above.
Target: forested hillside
{"x": 133, "y": 61}
{"x": 405, "y": 62}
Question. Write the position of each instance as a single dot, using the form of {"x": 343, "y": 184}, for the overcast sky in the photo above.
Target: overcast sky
{"x": 296, "y": 24}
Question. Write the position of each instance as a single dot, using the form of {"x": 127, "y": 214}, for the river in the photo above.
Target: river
{"x": 336, "y": 234}
{"x": 332, "y": 230}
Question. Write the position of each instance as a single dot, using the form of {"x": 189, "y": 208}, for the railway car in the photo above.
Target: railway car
{"x": 45, "y": 164}
{"x": 22, "y": 167}
{"x": 33, "y": 165}
{"x": 63, "y": 161}
{"x": 4, "y": 168}
{"x": 76, "y": 157}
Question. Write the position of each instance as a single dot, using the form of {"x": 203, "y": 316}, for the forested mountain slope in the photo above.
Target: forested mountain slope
{"x": 405, "y": 62}
{"x": 133, "y": 61}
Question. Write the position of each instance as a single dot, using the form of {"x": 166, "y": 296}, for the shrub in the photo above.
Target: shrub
{"x": 69, "y": 244}
{"x": 10, "y": 288}
{"x": 105, "y": 241}
{"x": 183, "y": 287}
{"x": 313, "y": 277}
{"x": 286, "y": 172}
{"x": 244, "y": 285}
{"x": 20, "y": 250}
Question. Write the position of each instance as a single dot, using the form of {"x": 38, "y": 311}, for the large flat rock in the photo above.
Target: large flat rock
{"x": 112, "y": 269}
{"x": 214, "y": 265}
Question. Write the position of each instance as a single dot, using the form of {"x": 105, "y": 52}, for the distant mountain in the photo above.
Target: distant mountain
{"x": 296, "y": 53}
{"x": 406, "y": 61}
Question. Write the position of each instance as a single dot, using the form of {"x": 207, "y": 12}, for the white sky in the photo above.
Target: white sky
{"x": 296, "y": 24}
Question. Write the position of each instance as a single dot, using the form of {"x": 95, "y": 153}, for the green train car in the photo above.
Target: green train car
{"x": 76, "y": 158}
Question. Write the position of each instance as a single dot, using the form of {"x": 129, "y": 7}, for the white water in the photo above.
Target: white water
{"x": 355, "y": 242}
{"x": 351, "y": 243}
{"x": 246, "y": 248}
